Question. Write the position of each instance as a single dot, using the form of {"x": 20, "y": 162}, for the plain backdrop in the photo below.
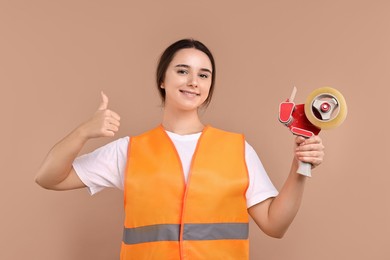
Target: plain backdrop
{"x": 56, "y": 57}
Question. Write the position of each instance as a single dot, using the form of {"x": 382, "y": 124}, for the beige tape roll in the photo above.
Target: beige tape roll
{"x": 330, "y": 96}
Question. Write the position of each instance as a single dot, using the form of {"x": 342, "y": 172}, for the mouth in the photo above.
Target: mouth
{"x": 189, "y": 93}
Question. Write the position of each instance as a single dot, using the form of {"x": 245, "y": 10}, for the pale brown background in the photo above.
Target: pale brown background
{"x": 56, "y": 56}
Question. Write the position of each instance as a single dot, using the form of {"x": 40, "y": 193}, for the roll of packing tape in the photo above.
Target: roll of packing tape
{"x": 326, "y": 108}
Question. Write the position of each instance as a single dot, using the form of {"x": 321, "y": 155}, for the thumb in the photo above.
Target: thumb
{"x": 299, "y": 140}
{"x": 104, "y": 104}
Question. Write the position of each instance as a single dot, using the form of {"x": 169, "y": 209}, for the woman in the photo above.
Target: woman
{"x": 188, "y": 187}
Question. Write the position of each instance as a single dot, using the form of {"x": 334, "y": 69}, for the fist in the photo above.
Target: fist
{"x": 309, "y": 150}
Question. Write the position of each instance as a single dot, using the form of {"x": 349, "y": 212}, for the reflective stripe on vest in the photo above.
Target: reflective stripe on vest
{"x": 171, "y": 232}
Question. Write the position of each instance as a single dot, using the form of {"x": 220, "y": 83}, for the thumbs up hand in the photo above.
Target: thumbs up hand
{"x": 104, "y": 123}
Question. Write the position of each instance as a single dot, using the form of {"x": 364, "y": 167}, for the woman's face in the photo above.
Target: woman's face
{"x": 187, "y": 80}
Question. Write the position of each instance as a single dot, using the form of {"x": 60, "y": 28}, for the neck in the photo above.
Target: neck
{"x": 182, "y": 122}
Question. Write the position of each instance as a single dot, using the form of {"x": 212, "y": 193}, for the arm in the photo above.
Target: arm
{"x": 275, "y": 215}
{"x": 56, "y": 171}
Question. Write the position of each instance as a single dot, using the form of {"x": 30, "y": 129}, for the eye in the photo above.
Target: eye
{"x": 182, "y": 72}
{"x": 204, "y": 76}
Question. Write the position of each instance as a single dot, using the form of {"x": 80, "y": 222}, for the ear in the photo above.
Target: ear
{"x": 162, "y": 86}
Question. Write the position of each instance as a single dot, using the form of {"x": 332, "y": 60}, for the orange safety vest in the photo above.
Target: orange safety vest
{"x": 165, "y": 218}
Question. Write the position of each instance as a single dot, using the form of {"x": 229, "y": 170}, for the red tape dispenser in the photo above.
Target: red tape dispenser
{"x": 325, "y": 108}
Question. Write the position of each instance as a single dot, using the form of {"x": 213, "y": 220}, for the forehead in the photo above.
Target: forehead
{"x": 192, "y": 57}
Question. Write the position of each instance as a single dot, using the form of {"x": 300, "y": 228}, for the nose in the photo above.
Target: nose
{"x": 192, "y": 80}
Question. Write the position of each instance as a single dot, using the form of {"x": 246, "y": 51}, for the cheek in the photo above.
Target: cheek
{"x": 207, "y": 87}
{"x": 205, "y": 93}
{"x": 173, "y": 80}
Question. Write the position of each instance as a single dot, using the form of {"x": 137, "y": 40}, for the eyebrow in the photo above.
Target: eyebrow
{"x": 188, "y": 67}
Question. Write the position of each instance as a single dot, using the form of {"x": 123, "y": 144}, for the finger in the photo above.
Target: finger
{"x": 113, "y": 121}
{"x": 115, "y": 116}
{"x": 313, "y": 161}
{"x": 314, "y": 143}
{"x": 109, "y": 133}
{"x": 310, "y": 147}
{"x": 313, "y": 140}
{"x": 314, "y": 154}
{"x": 111, "y": 114}
{"x": 112, "y": 128}
{"x": 311, "y": 154}
{"x": 104, "y": 104}
{"x": 109, "y": 130}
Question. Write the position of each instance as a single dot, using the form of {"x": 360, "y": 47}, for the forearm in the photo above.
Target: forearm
{"x": 56, "y": 170}
{"x": 275, "y": 215}
{"x": 58, "y": 162}
{"x": 285, "y": 206}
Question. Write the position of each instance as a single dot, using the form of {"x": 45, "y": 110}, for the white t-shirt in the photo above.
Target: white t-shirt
{"x": 105, "y": 167}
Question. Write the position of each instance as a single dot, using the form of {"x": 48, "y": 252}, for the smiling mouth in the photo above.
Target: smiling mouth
{"x": 189, "y": 93}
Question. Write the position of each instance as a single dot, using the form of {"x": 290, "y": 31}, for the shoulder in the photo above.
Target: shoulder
{"x": 114, "y": 147}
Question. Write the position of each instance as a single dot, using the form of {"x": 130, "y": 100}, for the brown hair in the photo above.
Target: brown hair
{"x": 167, "y": 57}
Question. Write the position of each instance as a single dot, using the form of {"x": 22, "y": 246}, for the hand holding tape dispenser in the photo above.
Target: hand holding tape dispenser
{"x": 325, "y": 108}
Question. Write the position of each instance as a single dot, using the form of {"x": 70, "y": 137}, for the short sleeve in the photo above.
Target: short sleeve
{"x": 104, "y": 167}
{"x": 260, "y": 186}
